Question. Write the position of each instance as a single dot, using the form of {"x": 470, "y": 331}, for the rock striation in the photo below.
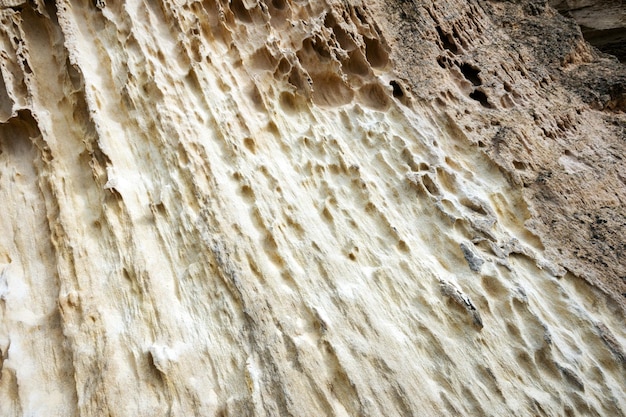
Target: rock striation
{"x": 294, "y": 207}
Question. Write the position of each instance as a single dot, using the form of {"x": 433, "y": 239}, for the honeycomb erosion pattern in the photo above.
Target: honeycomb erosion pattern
{"x": 308, "y": 208}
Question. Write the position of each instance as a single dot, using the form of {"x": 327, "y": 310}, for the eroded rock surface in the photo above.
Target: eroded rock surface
{"x": 309, "y": 208}
{"x": 603, "y": 22}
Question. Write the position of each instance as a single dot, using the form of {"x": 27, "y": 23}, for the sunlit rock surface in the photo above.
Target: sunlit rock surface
{"x": 309, "y": 208}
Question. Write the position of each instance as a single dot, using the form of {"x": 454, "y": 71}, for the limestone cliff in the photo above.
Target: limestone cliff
{"x": 308, "y": 208}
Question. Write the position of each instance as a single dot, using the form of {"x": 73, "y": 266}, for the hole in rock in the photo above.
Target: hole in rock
{"x": 283, "y": 66}
{"x": 273, "y": 129}
{"x": 27, "y": 68}
{"x": 331, "y": 90}
{"x": 397, "y": 89}
{"x": 448, "y": 205}
{"x": 181, "y": 153}
{"x": 374, "y": 96}
{"x": 250, "y": 144}
{"x": 345, "y": 40}
{"x": 279, "y": 18}
{"x": 279, "y": 4}
{"x": 359, "y": 15}
{"x": 356, "y": 63}
{"x": 507, "y": 102}
{"x": 447, "y": 41}
{"x": 289, "y": 102}
{"x": 430, "y": 186}
{"x": 519, "y": 165}
{"x": 481, "y": 97}
{"x": 247, "y": 192}
{"x": 471, "y": 73}
{"x": 255, "y": 97}
{"x": 299, "y": 79}
{"x": 376, "y": 53}
{"x": 473, "y": 205}
{"x": 262, "y": 59}
{"x": 439, "y": 102}
{"x": 240, "y": 11}
{"x": 446, "y": 178}
{"x": 315, "y": 46}
{"x": 6, "y": 104}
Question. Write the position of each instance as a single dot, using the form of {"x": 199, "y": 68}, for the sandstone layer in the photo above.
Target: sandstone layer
{"x": 308, "y": 208}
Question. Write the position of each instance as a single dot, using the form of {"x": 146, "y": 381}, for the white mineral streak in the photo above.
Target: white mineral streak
{"x": 222, "y": 209}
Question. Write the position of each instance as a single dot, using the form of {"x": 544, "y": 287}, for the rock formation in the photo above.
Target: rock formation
{"x": 603, "y": 22}
{"x": 308, "y": 208}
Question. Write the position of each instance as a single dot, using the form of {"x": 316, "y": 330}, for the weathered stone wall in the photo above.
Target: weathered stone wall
{"x": 309, "y": 208}
{"x": 550, "y": 114}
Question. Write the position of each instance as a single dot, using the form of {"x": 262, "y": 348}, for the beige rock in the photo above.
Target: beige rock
{"x": 309, "y": 208}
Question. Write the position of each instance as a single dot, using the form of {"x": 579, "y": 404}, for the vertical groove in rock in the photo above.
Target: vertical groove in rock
{"x": 32, "y": 344}
{"x": 302, "y": 208}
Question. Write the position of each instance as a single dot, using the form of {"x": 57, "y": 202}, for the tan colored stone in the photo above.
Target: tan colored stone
{"x": 309, "y": 208}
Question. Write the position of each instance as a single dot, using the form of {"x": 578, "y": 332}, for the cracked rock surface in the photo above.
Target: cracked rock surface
{"x": 309, "y": 208}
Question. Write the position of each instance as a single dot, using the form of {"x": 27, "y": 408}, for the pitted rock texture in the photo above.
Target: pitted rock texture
{"x": 537, "y": 119}
{"x": 308, "y": 208}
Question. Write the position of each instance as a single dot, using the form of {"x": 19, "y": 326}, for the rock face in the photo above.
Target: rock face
{"x": 309, "y": 208}
{"x": 603, "y": 22}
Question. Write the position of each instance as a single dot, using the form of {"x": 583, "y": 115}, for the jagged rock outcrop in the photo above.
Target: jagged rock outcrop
{"x": 309, "y": 208}
{"x": 603, "y": 22}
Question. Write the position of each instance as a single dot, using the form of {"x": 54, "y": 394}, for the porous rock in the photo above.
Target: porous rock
{"x": 308, "y": 208}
